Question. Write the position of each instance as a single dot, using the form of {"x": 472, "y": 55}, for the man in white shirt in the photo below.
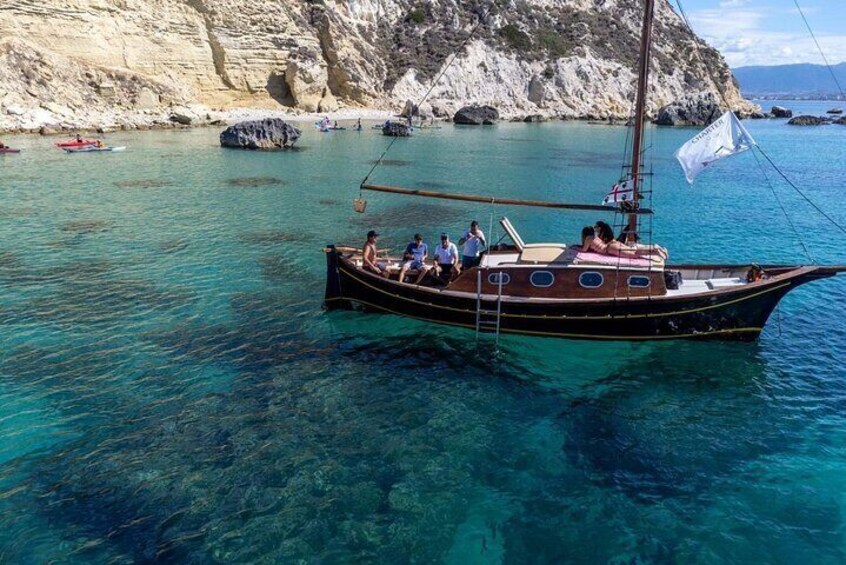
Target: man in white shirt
{"x": 473, "y": 241}
{"x": 447, "y": 266}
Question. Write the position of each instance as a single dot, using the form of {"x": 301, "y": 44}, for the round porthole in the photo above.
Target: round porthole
{"x": 591, "y": 279}
{"x": 542, "y": 279}
{"x": 494, "y": 278}
{"x": 637, "y": 281}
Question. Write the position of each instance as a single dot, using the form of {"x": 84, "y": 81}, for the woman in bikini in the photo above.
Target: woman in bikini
{"x": 605, "y": 244}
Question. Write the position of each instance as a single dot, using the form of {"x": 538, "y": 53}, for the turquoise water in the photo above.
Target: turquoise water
{"x": 170, "y": 388}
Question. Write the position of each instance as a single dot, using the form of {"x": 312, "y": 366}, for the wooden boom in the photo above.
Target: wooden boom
{"x": 493, "y": 200}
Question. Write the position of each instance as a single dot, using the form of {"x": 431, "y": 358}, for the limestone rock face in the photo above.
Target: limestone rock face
{"x": 260, "y": 134}
{"x": 781, "y": 112}
{"x": 306, "y": 78}
{"x": 476, "y": 115}
{"x": 694, "y": 110}
{"x": 572, "y": 58}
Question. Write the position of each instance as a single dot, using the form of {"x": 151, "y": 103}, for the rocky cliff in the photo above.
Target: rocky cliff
{"x": 67, "y": 60}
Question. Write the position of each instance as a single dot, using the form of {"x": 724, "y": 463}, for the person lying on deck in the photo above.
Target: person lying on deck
{"x": 630, "y": 238}
{"x": 369, "y": 255}
{"x": 415, "y": 258}
{"x": 605, "y": 244}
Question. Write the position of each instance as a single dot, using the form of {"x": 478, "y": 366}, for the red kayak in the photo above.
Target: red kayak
{"x": 4, "y": 150}
{"x": 75, "y": 143}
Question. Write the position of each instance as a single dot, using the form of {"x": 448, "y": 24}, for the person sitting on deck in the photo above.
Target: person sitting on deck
{"x": 2, "y": 145}
{"x": 79, "y": 138}
{"x": 369, "y": 255}
{"x": 473, "y": 241}
{"x": 415, "y": 258}
{"x": 447, "y": 266}
{"x": 588, "y": 234}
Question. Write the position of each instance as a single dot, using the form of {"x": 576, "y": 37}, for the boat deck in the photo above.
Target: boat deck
{"x": 700, "y": 286}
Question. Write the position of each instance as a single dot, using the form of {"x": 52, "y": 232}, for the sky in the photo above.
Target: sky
{"x": 770, "y": 32}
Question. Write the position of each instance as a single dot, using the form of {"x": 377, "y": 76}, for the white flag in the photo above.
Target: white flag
{"x": 724, "y": 138}
{"x": 620, "y": 192}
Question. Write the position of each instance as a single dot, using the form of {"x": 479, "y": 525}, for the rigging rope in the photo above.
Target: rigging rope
{"x": 783, "y": 209}
{"x": 799, "y": 192}
{"x": 756, "y": 146}
{"x": 822, "y": 54}
{"x": 453, "y": 56}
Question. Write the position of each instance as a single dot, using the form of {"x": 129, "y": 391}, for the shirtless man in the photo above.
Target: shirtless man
{"x": 369, "y": 255}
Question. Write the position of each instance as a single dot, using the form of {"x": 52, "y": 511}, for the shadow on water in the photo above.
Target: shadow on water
{"x": 251, "y": 182}
{"x": 348, "y": 446}
{"x": 404, "y": 221}
{"x": 271, "y": 238}
{"x": 87, "y": 226}
{"x": 173, "y": 246}
{"x": 659, "y": 427}
{"x": 143, "y": 183}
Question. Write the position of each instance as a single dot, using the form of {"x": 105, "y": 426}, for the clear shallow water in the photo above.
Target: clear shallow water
{"x": 171, "y": 389}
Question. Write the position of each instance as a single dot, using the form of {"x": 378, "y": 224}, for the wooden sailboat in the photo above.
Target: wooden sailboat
{"x": 557, "y": 291}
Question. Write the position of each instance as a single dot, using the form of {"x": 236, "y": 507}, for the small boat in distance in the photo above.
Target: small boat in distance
{"x": 8, "y": 151}
{"x": 93, "y": 149}
{"x": 76, "y": 143}
{"x": 556, "y": 290}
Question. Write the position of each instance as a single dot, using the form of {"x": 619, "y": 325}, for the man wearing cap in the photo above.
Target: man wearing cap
{"x": 369, "y": 255}
{"x": 415, "y": 258}
{"x": 446, "y": 259}
{"x": 473, "y": 241}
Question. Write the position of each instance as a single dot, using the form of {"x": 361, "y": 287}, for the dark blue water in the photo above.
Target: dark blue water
{"x": 170, "y": 388}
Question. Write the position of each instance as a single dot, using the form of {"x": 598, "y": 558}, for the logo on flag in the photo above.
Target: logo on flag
{"x": 724, "y": 138}
{"x": 621, "y": 192}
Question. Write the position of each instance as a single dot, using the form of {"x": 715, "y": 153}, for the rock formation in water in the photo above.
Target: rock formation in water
{"x": 476, "y": 115}
{"x": 396, "y": 129}
{"x": 808, "y": 121}
{"x": 113, "y": 61}
{"x": 260, "y": 134}
{"x": 692, "y": 110}
{"x": 781, "y": 112}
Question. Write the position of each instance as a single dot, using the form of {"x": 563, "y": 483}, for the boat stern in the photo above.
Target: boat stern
{"x": 333, "y": 299}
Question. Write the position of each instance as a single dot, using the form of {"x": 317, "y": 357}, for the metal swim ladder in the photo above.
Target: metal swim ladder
{"x": 488, "y": 321}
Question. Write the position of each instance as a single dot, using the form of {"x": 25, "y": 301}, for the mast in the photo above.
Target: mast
{"x": 640, "y": 104}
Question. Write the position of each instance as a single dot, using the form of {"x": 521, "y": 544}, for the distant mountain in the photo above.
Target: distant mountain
{"x": 790, "y": 81}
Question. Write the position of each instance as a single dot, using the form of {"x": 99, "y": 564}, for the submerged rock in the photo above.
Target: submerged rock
{"x": 781, "y": 112}
{"x": 808, "y": 121}
{"x": 476, "y": 115}
{"x": 396, "y": 129}
{"x": 693, "y": 110}
{"x": 840, "y": 121}
{"x": 271, "y": 133}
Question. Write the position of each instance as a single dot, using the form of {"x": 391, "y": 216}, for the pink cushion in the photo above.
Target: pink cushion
{"x": 589, "y": 257}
